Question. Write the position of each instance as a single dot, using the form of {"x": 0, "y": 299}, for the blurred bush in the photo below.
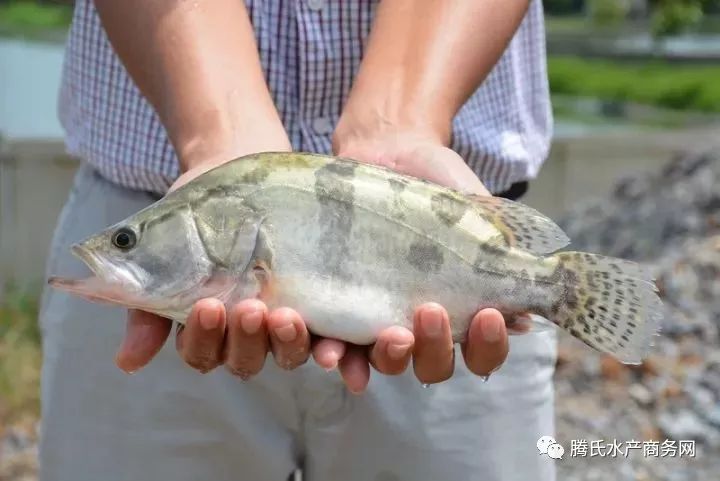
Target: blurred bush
{"x": 563, "y": 7}
{"x": 608, "y": 12}
{"x": 24, "y": 15}
{"x": 20, "y": 356}
{"x": 672, "y": 17}
{"x": 680, "y": 87}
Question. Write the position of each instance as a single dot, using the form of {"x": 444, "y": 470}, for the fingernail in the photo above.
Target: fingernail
{"x": 334, "y": 359}
{"x": 490, "y": 330}
{"x": 124, "y": 368}
{"x": 286, "y": 333}
{"x": 431, "y": 320}
{"x": 251, "y": 322}
{"x": 356, "y": 392}
{"x": 332, "y": 367}
{"x": 397, "y": 351}
{"x": 209, "y": 319}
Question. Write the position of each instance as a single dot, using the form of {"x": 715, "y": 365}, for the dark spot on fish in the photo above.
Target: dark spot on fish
{"x": 397, "y": 184}
{"x": 425, "y": 256}
{"x": 336, "y": 193}
{"x": 256, "y": 175}
{"x": 340, "y": 169}
{"x": 486, "y": 254}
{"x": 448, "y": 208}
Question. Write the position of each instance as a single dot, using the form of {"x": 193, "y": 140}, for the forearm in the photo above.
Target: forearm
{"x": 425, "y": 58}
{"x": 197, "y": 64}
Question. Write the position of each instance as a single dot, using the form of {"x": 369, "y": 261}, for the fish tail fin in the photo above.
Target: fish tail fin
{"x": 610, "y": 304}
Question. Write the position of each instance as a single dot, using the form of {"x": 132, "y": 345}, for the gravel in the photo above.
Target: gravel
{"x": 669, "y": 221}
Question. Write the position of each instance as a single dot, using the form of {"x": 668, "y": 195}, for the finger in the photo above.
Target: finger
{"x": 354, "y": 369}
{"x": 145, "y": 335}
{"x": 200, "y": 342}
{"x": 328, "y": 352}
{"x": 289, "y": 339}
{"x": 433, "y": 357}
{"x": 392, "y": 351}
{"x": 246, "y": 342}
{"x": 486, "y": 347}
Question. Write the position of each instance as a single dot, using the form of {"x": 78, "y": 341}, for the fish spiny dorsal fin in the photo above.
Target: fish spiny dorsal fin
{"x": 521, "y": 226}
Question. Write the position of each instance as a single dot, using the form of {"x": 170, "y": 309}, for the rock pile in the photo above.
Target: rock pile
{"x": 669, "y": 221}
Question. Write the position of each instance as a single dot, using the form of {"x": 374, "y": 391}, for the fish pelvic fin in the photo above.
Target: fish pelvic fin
{"x": 610, "y": 304}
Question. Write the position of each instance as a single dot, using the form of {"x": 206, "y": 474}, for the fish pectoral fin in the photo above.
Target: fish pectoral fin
{"x": 262, "y": 265}
{"x": 264, "y": 277}
{"x": 521, "y": 226}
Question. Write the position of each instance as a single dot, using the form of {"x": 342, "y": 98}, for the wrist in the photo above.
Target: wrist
{"x": 367, "y": 121}
{"x": 219, "y": 141}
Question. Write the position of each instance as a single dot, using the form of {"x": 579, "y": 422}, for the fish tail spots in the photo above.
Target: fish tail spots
{"x": 610, "y": 304}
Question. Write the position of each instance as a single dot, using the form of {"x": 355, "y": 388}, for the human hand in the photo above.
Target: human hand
{"x": 241, "y": 336}
{"x": 238, "y": 336}
{"x": 430, "y": 345}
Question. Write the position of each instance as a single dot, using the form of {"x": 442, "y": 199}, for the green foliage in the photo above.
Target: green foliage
{"x": 20, "y": 356}
{"x": 563, "y": 7}
{"x": 26, "y": 15}
{"x": 710, "y": 6}
{"x": 671, "y": 17}
{"x": 680, "y": 87}
{"x": 608, "y": 12}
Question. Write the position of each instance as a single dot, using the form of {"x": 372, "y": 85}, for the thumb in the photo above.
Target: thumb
{"x": 444, "y": 166}
{"x": 144, "y": 337}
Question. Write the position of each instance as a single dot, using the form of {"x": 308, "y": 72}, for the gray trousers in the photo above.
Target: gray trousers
{"x": 168, "y": 422}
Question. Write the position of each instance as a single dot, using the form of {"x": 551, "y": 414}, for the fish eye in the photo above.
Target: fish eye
{"x": 124, "y": 238}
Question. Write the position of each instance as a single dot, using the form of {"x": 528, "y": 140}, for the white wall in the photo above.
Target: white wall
{"x": 29, "y": 81}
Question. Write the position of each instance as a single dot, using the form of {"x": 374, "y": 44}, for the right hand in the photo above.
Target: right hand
{"x": 239, "y": 337}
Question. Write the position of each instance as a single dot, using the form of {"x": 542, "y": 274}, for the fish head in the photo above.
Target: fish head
{"x": 153, "y": 260}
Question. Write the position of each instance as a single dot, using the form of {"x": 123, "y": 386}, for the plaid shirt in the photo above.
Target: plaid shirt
{"x": 310, "y": 52}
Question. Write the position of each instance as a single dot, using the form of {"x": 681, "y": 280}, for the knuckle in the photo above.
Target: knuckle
{"x": 242, "y": 372}
{"x": 392, "y": 369}
{"x": 435, "y": 372}
{"x": 203, "y": 363}
{"x": 291, "y": 360}
{"x": 433, "y": 378}
{"x": 245, "y": 363}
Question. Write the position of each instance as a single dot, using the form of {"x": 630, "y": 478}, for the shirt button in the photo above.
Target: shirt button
{"x": 316, "y": 4}
{"x": 322, "y": 126}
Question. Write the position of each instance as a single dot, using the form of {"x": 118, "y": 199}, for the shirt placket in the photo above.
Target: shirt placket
{"x": 316, "y": 121}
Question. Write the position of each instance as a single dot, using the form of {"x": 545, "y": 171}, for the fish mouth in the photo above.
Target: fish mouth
{"x": 86, "y": 255}
{"x": 91, "y": 288}
{"x": 95, "y": 288}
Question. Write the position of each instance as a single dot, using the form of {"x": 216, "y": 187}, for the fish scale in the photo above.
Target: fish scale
{"x": 355, "y": 248}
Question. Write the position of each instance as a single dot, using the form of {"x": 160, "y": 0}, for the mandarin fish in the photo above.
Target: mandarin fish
{"x": 355, "y": 248}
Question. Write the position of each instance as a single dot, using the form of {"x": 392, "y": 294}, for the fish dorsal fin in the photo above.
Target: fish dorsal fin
{"x": 228, "y": 230}
{"x": 521, "y": 226}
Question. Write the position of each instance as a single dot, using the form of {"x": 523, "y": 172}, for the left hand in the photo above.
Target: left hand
{"x": 429, "y": 344}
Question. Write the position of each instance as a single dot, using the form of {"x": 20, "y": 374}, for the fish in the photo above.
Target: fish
{"x": 355, "y": 248}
